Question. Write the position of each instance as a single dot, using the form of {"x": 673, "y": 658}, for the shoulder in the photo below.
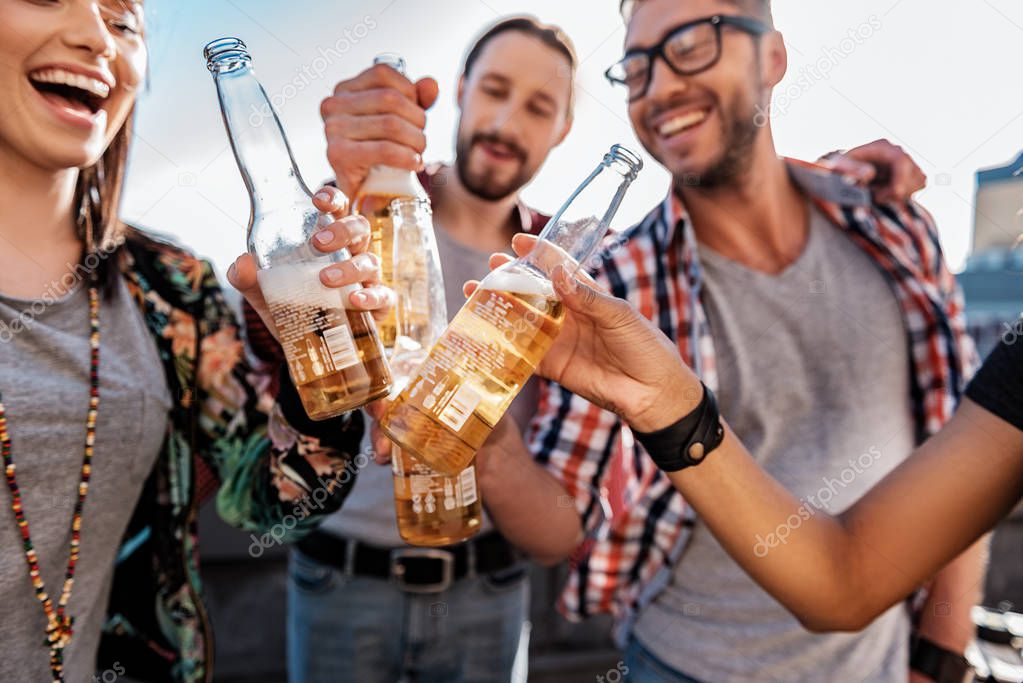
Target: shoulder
{"x": 912, "y": 231}
{"x": 998, "y": 385}
{"x": 166, "y": 265}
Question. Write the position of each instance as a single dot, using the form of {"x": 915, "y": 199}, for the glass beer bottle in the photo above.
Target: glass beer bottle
{"x": 333, "y": 352}
{"x": 383, "y": 185}
{"x": 497, "y": 339}
{"x": 433, "y": 509}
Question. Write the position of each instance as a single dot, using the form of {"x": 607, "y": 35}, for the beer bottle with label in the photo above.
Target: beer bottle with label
{"x": 373, "y": 200}
{"x": 494, "y": 344}
{"x": 333, "y": 352}
{"x": 433, "y": 509}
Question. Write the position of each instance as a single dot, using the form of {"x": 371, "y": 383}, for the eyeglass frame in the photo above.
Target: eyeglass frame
{"x": 748, "y": 25}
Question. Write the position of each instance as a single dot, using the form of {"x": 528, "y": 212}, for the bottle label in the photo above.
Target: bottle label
{"x": 424, "y": 484}
{"x": 311, "y": 320}
{"x": 467, "y": 482}
{"x": 460, "y": 407}
{"x": 341, "y": 347}
{"x": 485, "y": 356}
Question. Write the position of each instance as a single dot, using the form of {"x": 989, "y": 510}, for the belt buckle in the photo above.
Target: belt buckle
{"x": 446, "y": 559}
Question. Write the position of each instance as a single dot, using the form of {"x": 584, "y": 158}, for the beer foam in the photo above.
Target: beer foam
{"x": 517, "y": 283}
{"x": 299, "y": 283}
{"x": 391, "y": 181}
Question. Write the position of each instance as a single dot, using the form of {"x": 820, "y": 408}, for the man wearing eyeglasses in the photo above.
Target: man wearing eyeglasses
{"x": 633, "y": 547}
{"x": 827, "y": 323}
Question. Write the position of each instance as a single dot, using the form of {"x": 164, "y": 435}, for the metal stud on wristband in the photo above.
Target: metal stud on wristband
{"x": 689, "y": 441}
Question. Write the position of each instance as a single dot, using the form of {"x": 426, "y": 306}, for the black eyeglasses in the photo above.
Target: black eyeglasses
{"x": 687, "y": 49}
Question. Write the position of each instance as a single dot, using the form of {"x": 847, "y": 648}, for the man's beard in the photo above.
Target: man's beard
{"x": 484, "y": 185}
{"x": 736, "y": 156}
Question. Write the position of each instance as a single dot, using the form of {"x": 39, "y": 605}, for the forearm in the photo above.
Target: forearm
{"x": 527, "y": 504}
{"x": 945, "y": 619}
{"x": 794, "y": 551}
{"x": 840, "y": 573}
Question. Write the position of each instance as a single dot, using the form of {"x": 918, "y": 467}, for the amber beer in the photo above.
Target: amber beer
{"x": 334, "y": 354}
{"x": 498, "y": 338}
{"x": 382, "y": 186}
{"x": 432, "y": 509}
{"x": 475, "y": 370}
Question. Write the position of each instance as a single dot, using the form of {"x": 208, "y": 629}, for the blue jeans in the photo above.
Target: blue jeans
{"x": 642, "y": 666}
{"x": 366, "y": 630}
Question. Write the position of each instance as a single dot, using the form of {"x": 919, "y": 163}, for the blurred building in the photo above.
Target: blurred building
{"x": 993, "y": 278}
{"x": 998, "y": 221}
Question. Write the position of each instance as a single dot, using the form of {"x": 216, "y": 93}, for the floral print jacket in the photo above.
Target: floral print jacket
{"x": 268, "y": 457}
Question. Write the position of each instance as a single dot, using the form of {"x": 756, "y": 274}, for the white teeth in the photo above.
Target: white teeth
{"x": 64, "y": 77}
{"x": 680, "y": 123}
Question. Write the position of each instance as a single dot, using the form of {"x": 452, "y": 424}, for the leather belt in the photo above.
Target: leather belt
{"x": 414, "y": 570}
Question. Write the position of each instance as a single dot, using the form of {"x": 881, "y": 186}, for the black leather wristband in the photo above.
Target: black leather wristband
{"x": 937, "y": 663}
{"x": 687, "y": 442}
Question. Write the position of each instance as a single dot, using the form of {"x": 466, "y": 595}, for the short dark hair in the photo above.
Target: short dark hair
{"x": 757, "y": 8}
{"x": 550, "y": 35}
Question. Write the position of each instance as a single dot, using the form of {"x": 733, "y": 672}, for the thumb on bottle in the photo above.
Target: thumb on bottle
{"x": 583, "y": 297}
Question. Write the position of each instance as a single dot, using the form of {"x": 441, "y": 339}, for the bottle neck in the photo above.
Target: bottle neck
{"x": 574, "y": 233}
{"x": 257, "y": 138}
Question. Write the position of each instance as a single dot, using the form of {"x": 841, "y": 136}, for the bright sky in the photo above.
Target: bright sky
{"x": 935, "y": 77}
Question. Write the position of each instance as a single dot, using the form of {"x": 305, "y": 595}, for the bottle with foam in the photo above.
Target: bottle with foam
{"x": 494, "y": 344}
{"x": 373, "y": 201}
{"x": 334, "y": 356}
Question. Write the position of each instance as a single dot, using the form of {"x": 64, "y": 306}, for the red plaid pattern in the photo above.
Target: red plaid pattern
{"x": 637, "y": 523}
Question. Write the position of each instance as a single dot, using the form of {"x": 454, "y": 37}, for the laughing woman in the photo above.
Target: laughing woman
{"x": 123, "y": 384}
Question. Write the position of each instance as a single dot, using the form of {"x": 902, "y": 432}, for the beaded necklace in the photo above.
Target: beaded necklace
{"x": 58, "y": 622}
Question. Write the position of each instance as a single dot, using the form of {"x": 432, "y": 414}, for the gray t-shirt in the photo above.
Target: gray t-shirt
{"x": 368, "y": 514}
{"x": 44, "y": 377}
{"x": 814, "y": 378}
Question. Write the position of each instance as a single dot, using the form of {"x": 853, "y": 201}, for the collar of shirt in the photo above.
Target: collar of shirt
{"x": 818, "y": 180}
{"x": 655, "y": 265}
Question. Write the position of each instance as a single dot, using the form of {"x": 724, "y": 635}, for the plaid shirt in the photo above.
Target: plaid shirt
{"x": 637, "y": 524}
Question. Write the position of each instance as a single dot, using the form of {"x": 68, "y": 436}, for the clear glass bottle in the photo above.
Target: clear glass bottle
{"x": 433, "y": 509}
{"x": 333, "y": 352}
{"x": 494, "y": 344}
{"x": 382, "y": 186}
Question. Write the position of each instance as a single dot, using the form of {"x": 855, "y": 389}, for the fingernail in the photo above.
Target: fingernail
{"x": 323, "y": 196}
{"x": 232, "y": 271}
{"x": 360, "y": 298}
{"x": 324, "y": 237}
{"x": 332, "y": 276}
